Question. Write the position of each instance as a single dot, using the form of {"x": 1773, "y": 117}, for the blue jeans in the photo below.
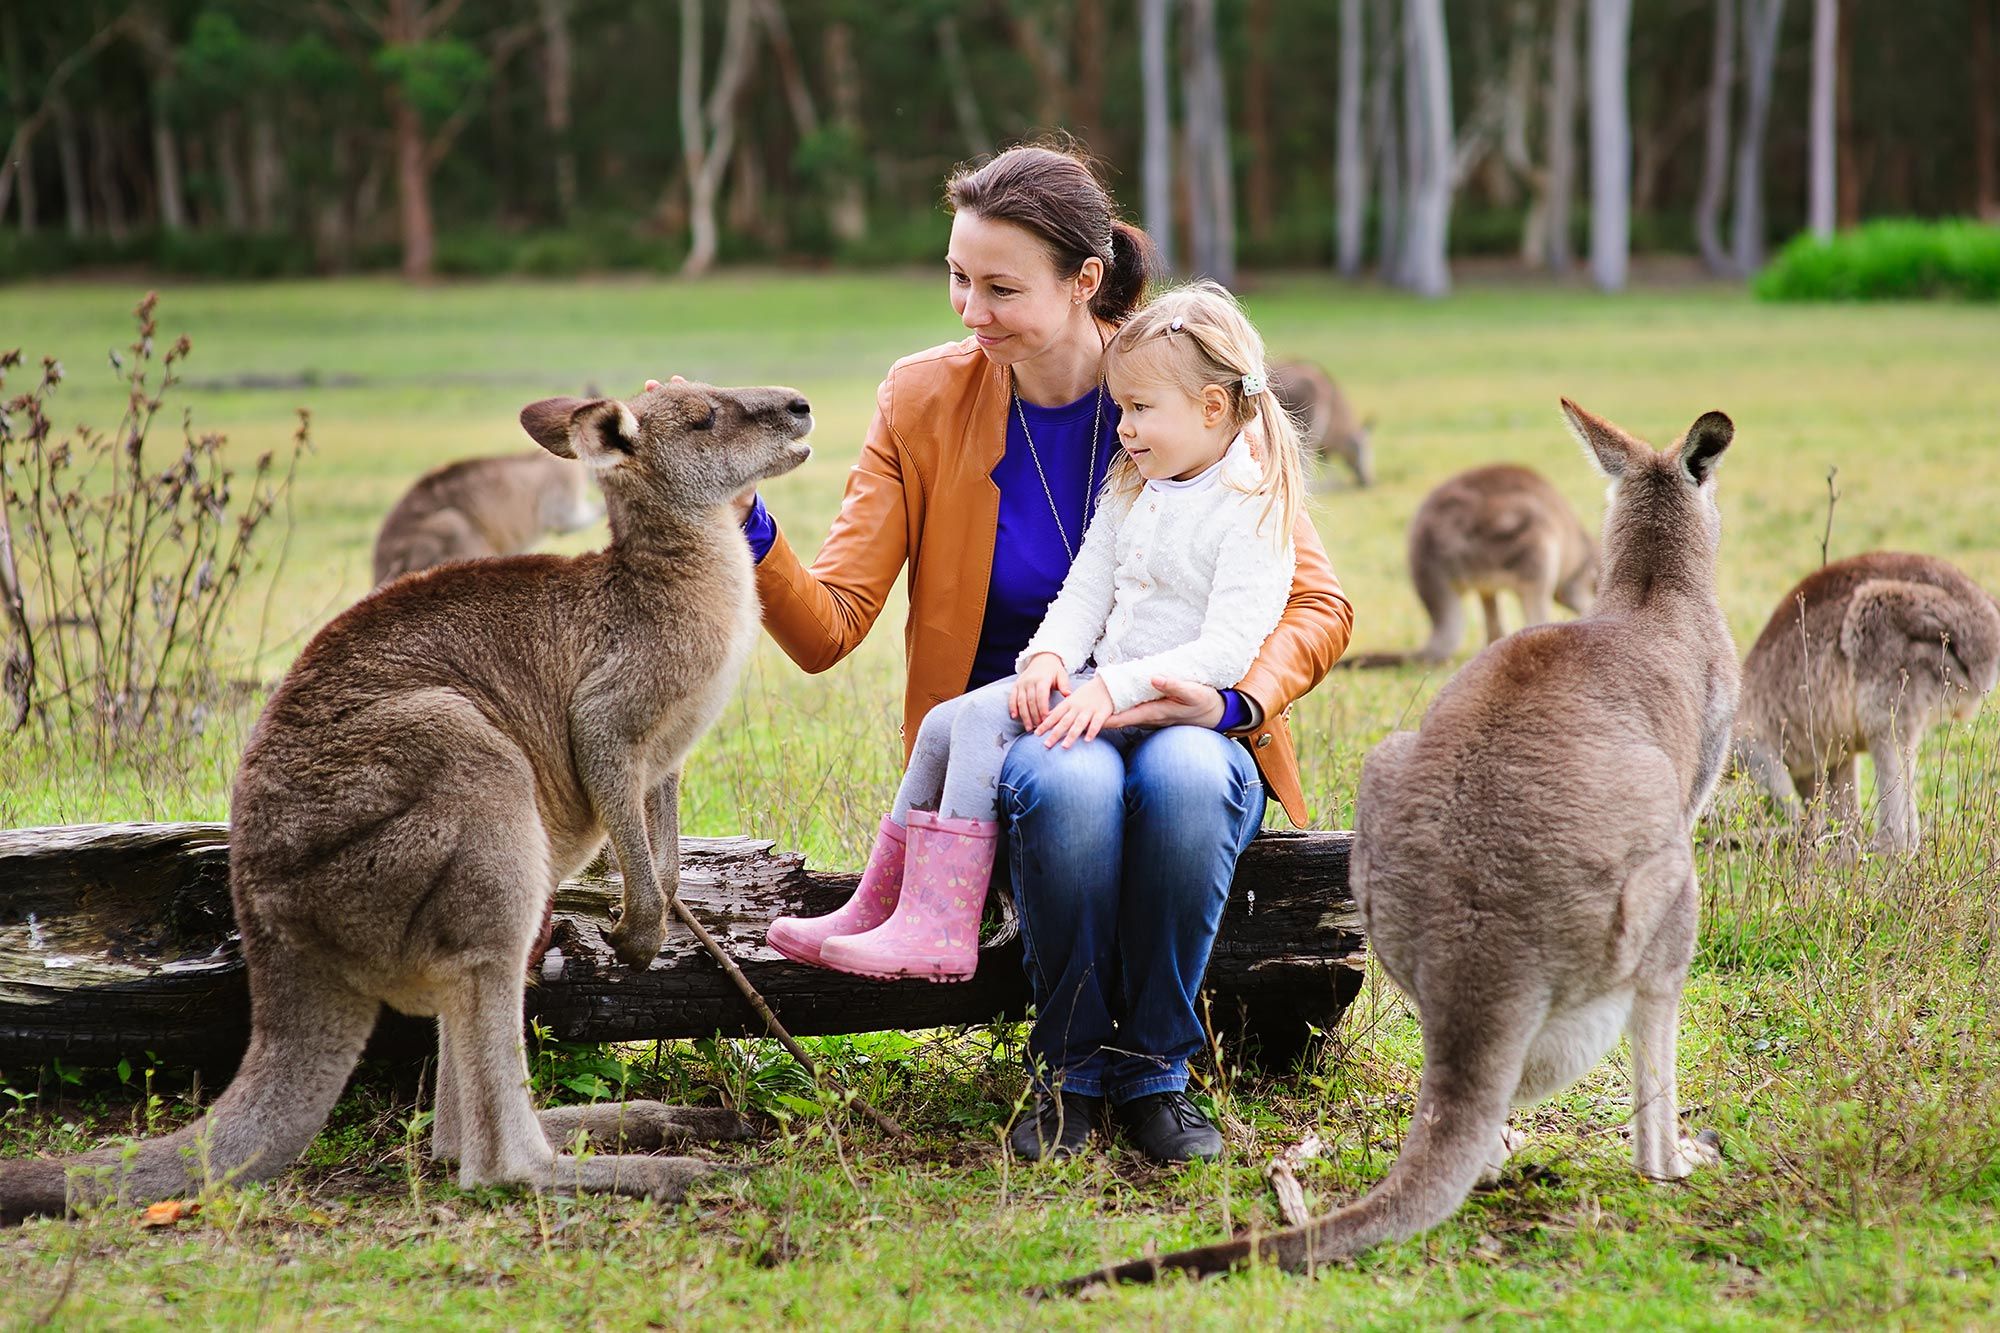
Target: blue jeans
{"x": 1121, "y": 851}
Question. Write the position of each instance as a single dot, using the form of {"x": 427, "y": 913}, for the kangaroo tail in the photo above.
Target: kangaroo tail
{"x": 1460, "y": 1114}
{"x": 1375, "y": 661}
{"x": 305, "y": 1039}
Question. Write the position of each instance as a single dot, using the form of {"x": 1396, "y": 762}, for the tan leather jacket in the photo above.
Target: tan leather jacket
{"x": 921, "y": 493}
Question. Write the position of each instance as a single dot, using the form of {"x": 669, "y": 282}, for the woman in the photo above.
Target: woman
{"x": 980, "y": 471}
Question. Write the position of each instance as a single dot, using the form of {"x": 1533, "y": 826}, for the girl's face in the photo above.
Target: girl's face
{"x": 1007, "y": 290}
{"x": 1167, "y": 432}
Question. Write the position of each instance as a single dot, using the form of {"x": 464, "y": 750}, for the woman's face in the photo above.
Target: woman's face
{"x": 1006, "y": 289}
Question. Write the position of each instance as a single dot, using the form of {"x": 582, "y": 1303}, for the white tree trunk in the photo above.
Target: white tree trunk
{"x": 708, "y": 133}
{"x": 1562, "y": 133}
{"x": 1427, "y": 101}
{"x": 1156, "y": 170}
{"x": 556, "y": 65}
{"x": 848, "y": 210}
{"x": 1760, "y": 53}
{"x": 1610, "y": 145}
{"x": 1715, "y": 153}
{"x": 1350, "y": 204}
{"x": 1825, "y": 70}
{"x": 1383, "y": 115}
{"x": 1211, "y": 194}
{"x": 167, "y": 173}
{"x": 267, "y": 174}
{"x": 964, "y": 102}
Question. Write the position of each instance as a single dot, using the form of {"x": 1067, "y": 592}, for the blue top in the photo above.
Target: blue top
{"x": 1029, "y": 555}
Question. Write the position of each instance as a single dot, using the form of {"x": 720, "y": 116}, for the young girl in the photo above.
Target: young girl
{"x": 1183, "y": 573}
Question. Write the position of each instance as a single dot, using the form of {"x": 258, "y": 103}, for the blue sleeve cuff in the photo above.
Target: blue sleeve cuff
{"x": 759, "y": 529}
{"x": 1235, "y": 711}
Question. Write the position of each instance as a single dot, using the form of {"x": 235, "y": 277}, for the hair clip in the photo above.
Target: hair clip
{"x": 1253, "y": 384}
{"x": 1174, "y": 324}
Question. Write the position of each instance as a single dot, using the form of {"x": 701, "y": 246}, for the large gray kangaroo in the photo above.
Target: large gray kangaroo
{"x": 437, "y": 760}
{"x": 1524, "y": 862}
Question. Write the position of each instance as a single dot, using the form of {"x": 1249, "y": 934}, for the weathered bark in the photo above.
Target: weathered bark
{"x": 708, "y": 131}
{"x": 69, "y": 157}
{"x": 1761, "y": 19}
{"x": 1388, "y": 149}
{"x": 1350, "y": 175}
{"x": 1610, "y": 144}
{"x": 557, "y": 60}
{"x": 1825, "y": 78}
{"x": 1715, "y": 155}
{"x": 1211, "y": 185}
{"x": 1985, "y": 114}
{"x": 964, "y": 98}
{"x": 1258, "y": 190}
{"x": 1157, "y": 154}
{"x": 1428, "y": 104}
{"x": 848, "y": 210}
{"x": 119, "y": 939}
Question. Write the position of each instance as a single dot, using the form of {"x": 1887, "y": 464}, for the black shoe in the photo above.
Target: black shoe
{"x": 1167, "y": 1127}
{"x": 1056, "y": 1126}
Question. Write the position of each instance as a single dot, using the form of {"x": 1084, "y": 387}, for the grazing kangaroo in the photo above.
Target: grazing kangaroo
{"x": 1525, "y": 864}
{"x": 483, "y": 507}
{"x": 1491, "y": 530}
{"x": 1867, "y": 653}
{"x": 1327, "y": 425}
{"x": 437, "y": 760}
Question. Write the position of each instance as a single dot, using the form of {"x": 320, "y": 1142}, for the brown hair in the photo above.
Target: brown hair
{"x": 1195, "y": 336}
{"x": 1050, "y": 190}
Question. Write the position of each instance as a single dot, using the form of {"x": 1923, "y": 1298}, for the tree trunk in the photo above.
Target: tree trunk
{"x": 1049, "y": 59}
{"x": 140, "y": 915}
{"x": 227, "y": 165}
{"x": 1761, "y": 19}
{"x": 413, "y": 190}
{"x": 24, "y": 143}
{"x": 1383, "y": 115}
{"x": 964, "y": 99}
{"x": 1157, "y": 155}
{"x": 1211, "y": 189}
{"x": 103, "y": 182}
{"x": 1715, "y": 154}
{"x": 1562, "y": 133}
{"x": 69, "y": 155}
{"x": 1086, "y": 100}
{"x": 1985, "y": 114}
{"x": 1426, "y": 270}
{"x": 1257, "y": 118}
{"x": 1848, "y": 164}
{"x": 1825, "y": 76}
{"x": 1350, "y": 177}
{"x": 1610, "y": 144}
{"x": 712, "y": 126}
{"x": 557, "y": 61}
{"x": 849, "y": 207}
{"x": 167, "y": 172}
{"x": 267, "y": 174}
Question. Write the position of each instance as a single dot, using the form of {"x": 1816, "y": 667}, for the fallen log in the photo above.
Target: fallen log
{"x": 118, "y": 941}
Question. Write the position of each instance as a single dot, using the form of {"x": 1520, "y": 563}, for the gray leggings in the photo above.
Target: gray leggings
{"x": 955, "y": 766}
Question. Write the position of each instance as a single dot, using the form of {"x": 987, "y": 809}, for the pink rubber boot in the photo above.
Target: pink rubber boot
{"x": 934, "y": 931}
{"x": 799, "y": 938}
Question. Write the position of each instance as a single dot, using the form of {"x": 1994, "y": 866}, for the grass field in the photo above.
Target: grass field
{"x": 1839, "y": 1031}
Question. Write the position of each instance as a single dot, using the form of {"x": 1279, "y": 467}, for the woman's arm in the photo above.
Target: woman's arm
{"x": 818, "y": 614}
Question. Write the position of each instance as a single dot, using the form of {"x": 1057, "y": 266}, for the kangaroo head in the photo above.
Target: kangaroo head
{"x": 680, "y": 446}
{"x": 1661, "y": 509}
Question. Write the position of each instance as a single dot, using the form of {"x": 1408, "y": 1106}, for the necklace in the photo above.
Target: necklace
{"x": 1090, "y": 475}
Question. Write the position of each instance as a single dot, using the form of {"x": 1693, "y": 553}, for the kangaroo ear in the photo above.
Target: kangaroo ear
{"x": 1607, "y": 445}
{"x": 559, "y": 425}
{"x": 1702, "y": 449}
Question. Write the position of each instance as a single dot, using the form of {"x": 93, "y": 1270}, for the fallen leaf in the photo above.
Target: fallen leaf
{"x": 167, "y": 1212}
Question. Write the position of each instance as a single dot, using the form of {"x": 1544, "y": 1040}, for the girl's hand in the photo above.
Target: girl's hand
{"x": 1081, "y": 715}
{"x": 1030, "y": 700}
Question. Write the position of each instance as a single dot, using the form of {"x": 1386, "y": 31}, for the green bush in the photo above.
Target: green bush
{"x": 1888, "y": 261}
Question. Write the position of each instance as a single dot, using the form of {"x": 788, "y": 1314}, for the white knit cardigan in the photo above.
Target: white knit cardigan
{"x": 1175, "y": 580}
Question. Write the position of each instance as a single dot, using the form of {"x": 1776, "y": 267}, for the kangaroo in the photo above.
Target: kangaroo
{"x": 483, "y": 507}
{"x": 1867, "y": 653}
{"x": 1491, "y": 530}
{"x": 439, "y": 758}
{"x": 1327, "y": 425}
{"x": 1525, "y": 863}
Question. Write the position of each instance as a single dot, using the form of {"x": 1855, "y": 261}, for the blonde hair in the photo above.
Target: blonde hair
{"x": 1196, "y": 336}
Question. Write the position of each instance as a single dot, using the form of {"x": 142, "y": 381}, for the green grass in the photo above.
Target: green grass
{"x": 1839, "y": 1031}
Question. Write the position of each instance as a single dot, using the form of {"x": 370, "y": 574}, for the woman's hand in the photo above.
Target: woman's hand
{"x": 1083, "y": 715}
{"x": 1182, "y": 703}
{"x": 1030, "y": 701}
